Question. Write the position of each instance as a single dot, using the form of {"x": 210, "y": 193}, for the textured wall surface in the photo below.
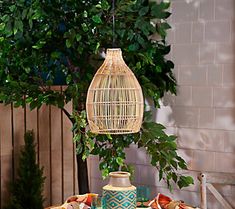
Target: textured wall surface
{"x": 202, "y": 115}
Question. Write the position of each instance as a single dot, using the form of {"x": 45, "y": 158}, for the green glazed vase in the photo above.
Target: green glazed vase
{"x": 119, "y": 193}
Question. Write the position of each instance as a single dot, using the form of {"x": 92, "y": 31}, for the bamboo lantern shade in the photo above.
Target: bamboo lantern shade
{"x": 114, "y": 102}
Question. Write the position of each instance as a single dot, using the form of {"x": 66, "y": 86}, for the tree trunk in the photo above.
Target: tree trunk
{"x": 83, "y": 183}
{"x": 82, "y": 173}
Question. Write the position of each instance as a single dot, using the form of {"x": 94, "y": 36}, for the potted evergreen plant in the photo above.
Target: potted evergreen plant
{"x": 26, "y": 190}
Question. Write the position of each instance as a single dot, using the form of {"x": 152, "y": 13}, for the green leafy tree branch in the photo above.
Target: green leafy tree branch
{"x": 44, "y": 42}
{"x": 159, "y": 146}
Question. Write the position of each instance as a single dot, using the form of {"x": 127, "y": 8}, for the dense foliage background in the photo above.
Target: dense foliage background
{"x": 46, "y": 42}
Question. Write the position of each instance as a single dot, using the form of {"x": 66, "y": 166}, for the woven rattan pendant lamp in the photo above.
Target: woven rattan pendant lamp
{"x": 114, "y": 101}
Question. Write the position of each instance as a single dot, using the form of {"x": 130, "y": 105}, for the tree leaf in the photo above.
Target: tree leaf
{"x": 36, "y": 15}
{"x": 24, "y": 14}
{"x": 79, "y": 148}
{"x": 105, "y": 5}
{"x": 96, "y": 19}
{"x": 103, "y": 165}
{"x": 165, "y": 26}
{"x": 84, "y": 27}
{"x": 158, "y": 11}
{"x": 55, "y": 55}
{"x": 34, "y": 104}
{"x": 5, "y": 18}
{"x": 182, "y": 165}
{"x": 30, "y": 23}
{"x": 174, "y": 177}
{"x": 158, "y": 69}
{"x": 68, "y": 43}
{"x": 148, "y": 117}
{"x": 2, "y": 26}
{"x": 77, "y": 137}
{"x": 105, "y": 173}
{"x": 143, "y": 11}
{"x": 18, "y": 25}
{"x": 130, "y": 35}
{"x": 133, "y": 47}
{"x": 160, "y": 174}
{"x": 119, "y": 161}
{"x": 97, "y": 47}
{"x": 184, "y": 181}
{"x": 12, "y": 8}
{"x": 165, "y": 5}
{"x": 78, "y": 37}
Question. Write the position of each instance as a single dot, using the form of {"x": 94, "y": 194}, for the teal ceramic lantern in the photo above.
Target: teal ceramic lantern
{"x": 119, "y": 193}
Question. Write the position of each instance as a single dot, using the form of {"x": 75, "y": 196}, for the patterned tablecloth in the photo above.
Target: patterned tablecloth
{"x": 159, "y": 202}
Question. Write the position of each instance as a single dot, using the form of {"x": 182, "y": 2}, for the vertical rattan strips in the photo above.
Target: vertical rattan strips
{"x": 114, "y": 100}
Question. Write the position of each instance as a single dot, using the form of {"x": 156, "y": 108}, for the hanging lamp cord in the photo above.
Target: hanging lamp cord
{"x": 113, "y": 15}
